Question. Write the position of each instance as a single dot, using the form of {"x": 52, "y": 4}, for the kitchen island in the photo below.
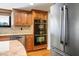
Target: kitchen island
{"x": 15, "y": 49}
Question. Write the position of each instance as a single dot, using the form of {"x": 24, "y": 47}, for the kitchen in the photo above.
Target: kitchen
{"x": 27, "y": 26}
{"x": 52, "y": 30}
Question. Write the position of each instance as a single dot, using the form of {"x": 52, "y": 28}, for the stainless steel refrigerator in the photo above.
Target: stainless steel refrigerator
{"x": 64, "y": 28}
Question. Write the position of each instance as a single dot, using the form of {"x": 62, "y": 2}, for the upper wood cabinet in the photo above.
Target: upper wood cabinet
{"x": 29, "y": 19}
{"x": 17, "y": 19}
{"x": 22, "y": 18}
{"x": 25, "y": 18}
{"x": 38, "y": 14}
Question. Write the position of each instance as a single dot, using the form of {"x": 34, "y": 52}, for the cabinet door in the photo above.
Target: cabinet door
{"x": 29, "y": 19}
{"x": 29, "y": 43}
{"x": 4, "y": 38}
{"x": 17, "y": 18}
{"x": 44, "y": 16}
{"x": 24, "y": 19}
{"x": 41, "y": 15}
{"x": 37, "y": 15}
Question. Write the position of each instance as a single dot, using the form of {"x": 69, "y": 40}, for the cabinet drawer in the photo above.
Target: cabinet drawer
{"x": 4, "y": 38}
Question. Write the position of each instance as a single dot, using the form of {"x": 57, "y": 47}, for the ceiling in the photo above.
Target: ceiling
{"x": 26, "y": 6}
{"x": 39, "y": 6}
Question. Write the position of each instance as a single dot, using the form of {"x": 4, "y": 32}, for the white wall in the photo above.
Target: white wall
{"x": 49, "y": 31}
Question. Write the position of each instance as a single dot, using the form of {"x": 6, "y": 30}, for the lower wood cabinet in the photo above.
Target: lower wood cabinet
{"x": 4, "y": 38}
{"x": 43, "y": 52}
{"x": 29, "y": 42}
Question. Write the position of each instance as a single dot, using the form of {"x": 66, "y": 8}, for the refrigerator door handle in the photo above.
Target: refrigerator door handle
{"x": 65, "y": 42}
{"x": 66, "y": 26}
{"x": 61, "y": 23}
{"x": 63, "y": 34}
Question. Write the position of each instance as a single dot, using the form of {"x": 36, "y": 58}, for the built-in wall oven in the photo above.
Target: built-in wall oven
{"x": 40, "y": 32}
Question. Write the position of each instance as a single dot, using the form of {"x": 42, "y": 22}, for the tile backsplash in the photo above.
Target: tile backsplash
{"x": 7, "y": 30}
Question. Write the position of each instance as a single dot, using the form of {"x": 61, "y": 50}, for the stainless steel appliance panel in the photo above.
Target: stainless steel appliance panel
{"x": 72, "y": 47}
{"x": 55, "y": 26}
{"x": 65, "y": 29}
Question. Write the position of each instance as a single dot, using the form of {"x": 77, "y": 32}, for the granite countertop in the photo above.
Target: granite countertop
{"x": 15, "y": 49}
{"x": 23, "y": 32}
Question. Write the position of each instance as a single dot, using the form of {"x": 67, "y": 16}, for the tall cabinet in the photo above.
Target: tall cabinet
{"x": 40, "y": 29}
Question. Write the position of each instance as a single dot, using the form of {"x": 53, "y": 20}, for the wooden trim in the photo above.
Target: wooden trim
{"x": 29, "y": 11}
{"x": 44, "y": 46}
{"x": 39, "y": 10}
{"x": 5, "y": 11}
{"x": 42, "y": 52}
{"x": 20, "y": 10}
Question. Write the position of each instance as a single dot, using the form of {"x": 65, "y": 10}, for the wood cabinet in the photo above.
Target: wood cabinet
{"x": 29, "y": 19}
{"x": 17, "y": 18}
{"x": 29, "y": 42}
{"x": 4, "y": 38}
{"x": 26, "y": 18}
{"x": 22, "y": 18}
{"x": 38, "y": 14}
{"x": 43, "y": 52}
{"x": 40, "y": 17}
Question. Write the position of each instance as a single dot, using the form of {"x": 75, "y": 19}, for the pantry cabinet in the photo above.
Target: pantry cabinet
{"x": 40, "y": 29}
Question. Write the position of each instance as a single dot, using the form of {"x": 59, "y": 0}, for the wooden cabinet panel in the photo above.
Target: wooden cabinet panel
{"x": 22, "y": 18}
{"x": 4, "y": 38}
{"x": 43, "y": 52}
{"x": 17, "y": 18}
{"x": 43, "y": 15}
{"x": 40, "y": 47}
{"x": 29, "y": 19}
{"x": 46, "y": 16}
{"x": 29, "y": 43}
{"x": 37, "y": 15}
